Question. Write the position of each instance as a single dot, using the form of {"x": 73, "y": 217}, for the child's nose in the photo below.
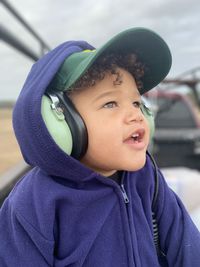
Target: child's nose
{"x": 134, "y": 114}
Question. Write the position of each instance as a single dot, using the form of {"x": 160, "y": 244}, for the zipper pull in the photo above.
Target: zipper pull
{"x": 126, "y": 200}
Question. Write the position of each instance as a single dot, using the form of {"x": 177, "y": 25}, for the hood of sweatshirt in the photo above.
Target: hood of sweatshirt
{"x": 37, "y": 146}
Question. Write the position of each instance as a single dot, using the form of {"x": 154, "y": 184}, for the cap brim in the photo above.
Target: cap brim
{"x": 149, "y": 47}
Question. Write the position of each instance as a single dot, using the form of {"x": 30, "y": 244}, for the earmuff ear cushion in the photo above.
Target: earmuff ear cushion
{"x": 150, "y": 118}
{"x": 151, "y": 122}
{"x": 57, "y": 125}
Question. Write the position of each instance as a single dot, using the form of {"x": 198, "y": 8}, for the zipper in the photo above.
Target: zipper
{"x": 127, "y": 227}
{"x": 124, "y": 194}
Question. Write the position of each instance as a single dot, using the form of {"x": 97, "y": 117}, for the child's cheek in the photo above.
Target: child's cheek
{"x": 148, "y": 130}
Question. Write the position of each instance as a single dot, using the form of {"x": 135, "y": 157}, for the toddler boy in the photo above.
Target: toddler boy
{"x": 81, "y": 124}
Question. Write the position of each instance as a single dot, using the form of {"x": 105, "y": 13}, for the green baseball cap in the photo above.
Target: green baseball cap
{"x": 149, "y": 47}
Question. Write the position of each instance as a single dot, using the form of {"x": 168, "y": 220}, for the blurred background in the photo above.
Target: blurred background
{"x": 28, "y": 29}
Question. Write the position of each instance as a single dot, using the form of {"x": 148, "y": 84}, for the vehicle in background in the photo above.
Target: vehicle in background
{"x": 177, "y": 136}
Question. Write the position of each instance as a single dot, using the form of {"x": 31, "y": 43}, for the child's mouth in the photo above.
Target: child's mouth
{"x": 136, "y": 139}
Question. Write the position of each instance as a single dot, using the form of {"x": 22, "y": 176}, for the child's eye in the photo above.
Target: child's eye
{"x": 110, "y": 104}
{"x": 137, "y": 104}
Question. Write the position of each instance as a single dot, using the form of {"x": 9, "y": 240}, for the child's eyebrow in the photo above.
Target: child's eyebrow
{"x": 105, "y": 94}
{"x": 111, "y": 93}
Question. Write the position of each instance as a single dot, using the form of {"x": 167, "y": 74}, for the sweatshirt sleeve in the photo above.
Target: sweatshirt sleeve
{"x": 20, "y": 243}
{"x": 179, "y": 237}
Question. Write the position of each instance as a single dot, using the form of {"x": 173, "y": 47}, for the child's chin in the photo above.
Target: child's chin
{"x": 137, "y": 165}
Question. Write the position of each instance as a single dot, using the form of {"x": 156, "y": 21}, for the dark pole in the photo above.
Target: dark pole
{"x": 9, "y": 38}
{"x": 17, "y": 15}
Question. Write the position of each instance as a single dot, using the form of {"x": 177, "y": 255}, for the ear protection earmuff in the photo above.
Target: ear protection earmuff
{"x": 67, "y": 127}
{"x": 64, "y": 124}
{"x": 150, "y": 118}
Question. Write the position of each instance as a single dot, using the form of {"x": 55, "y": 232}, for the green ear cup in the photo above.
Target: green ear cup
{"x": 56, "y": 125}
{"x": 150, "y": 118}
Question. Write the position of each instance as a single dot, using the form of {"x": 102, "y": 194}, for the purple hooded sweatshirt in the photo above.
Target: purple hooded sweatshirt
{"x": 61, "y": 213}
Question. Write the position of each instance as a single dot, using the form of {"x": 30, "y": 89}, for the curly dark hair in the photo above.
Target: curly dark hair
{"x": 110, "y": 63}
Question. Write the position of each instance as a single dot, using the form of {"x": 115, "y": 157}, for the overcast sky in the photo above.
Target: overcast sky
{"x": 56, "y": 21}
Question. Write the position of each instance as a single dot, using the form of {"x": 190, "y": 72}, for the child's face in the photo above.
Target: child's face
{"x": 118, "y": 133}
